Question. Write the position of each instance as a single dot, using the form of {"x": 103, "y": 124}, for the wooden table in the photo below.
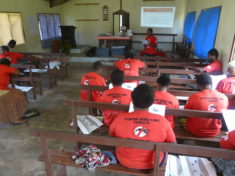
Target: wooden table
{"x": 115, "y": 41}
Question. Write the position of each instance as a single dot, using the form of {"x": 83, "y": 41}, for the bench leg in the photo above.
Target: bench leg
{"x": 61, "y": 171}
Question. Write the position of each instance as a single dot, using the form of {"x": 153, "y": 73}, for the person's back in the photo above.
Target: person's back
{"x": 205, "y": 100}
{"x": 116, "y": 95}
{"x": 162, "y": 97}
{"x": 93, "y": 79}
{"x": 13, "y": 56}
{"x": 5, "y": 72}
{"x": 129, "y": 66}
{"x": 227, "y": 85}
{"x": 141, "y": 125}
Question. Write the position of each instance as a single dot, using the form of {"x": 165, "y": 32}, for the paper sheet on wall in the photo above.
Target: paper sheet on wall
{"x": 157, "y": 17}
{"x": 229, "y": 118}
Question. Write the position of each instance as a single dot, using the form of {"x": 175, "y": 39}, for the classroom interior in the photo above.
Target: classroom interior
{"x": 18, "y": 149}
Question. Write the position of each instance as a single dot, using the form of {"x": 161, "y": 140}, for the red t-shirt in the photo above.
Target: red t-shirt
{"x": 13, "y": 56}
{"x": 206, "y": 100}
{"x": 169, "y": 100}
{"x": 130, "y": 67}
{"x": 116, "y": 95}
{"x": 229, "y": 141}
{"x": 152, "y": 41}
{"x": 92, "y": 79}
{"x": 215, "y": 66}
{"x": 140, "y": 125}
{"x": 227, "y": 85}
{"x": 5, "y": 72}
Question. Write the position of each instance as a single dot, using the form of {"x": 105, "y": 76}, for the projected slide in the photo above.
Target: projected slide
{"x": 157, "y": 17}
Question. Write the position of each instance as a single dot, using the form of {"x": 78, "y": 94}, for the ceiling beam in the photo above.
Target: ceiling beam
{"x": 54, "y": 3}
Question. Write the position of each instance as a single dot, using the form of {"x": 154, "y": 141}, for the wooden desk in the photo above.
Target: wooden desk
{"x": 115, "y": 41}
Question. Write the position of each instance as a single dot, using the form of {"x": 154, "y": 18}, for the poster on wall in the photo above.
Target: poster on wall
{"x": 157, "y": 17}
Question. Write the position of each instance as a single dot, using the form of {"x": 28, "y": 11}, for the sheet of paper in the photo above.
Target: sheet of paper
{"x": 155, "y": 109}
{"x": 145, "y": 42}
{"x": 182, "y": 98}
{"x": 54, "y": 64}
{"x": 229, "y": 118}
{"x": 88, "y": 123}
{"x": 216, "y": 79}
{"x": 129, "y": 86}
{"x": 22, "y": 88}
{"x": 35, "y": 70}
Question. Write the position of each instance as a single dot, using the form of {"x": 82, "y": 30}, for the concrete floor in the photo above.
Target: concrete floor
{"x": 19, "y": 151}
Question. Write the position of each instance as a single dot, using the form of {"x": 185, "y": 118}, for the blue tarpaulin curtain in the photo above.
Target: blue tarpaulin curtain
{"x": 49, "y": 25}
{"x": 189, "y": 25}
{"x": 205, "y": 31}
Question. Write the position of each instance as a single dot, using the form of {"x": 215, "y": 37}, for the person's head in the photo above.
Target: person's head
{"x": 204, "y": 81}
{"x": 4, "y": 49}
{"x": 213, "y": 55}
{"x": 149, "y": 31}
{"x": 117, "y": 77}
{"x": 97, "y": 67}
{"x": 5, "y": 61}
{"x": 129, "y": 55}
{"x": 231, "y": 68}
{"x": 12, "y": 44}
{"x": 142, "y": 96}
{"x": 163, "y": 82}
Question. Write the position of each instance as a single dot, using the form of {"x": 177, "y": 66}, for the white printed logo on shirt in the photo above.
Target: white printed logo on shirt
{"x": 141, "y": 131}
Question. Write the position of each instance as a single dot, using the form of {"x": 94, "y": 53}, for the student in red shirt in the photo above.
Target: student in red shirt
{"x": 227, "y": 85}
{"x": 228, "y": 142}
{"x": 129, "y": 66}
{"x": 141, "y": 125}
{"x": 5, "y": 72}
{"x": 215, "y": 66}
{"x": 205, "y": 100}
{"x": 116, "y": 95}
{"x": 161, "y": 96}
{"x": 12, "y": 56}
{"x": 93, "y": 79}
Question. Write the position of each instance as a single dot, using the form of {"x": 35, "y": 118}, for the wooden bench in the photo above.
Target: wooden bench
{"x": 183, "y": 134}
{"x": 31, "y": 80}
{"x": 63, "y": 158}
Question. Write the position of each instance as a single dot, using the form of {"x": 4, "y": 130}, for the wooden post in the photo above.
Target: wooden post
{"x": 157, "y": 159}
{"x": 46, "y": 156}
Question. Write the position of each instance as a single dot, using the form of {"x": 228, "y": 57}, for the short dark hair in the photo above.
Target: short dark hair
{"x": 97, "y": 65}
{"x": 5, "y": 61}
{"x": 142, "y": 96}
{"x": 12, "y": 43}
{"x": 117, "y": 77}
{"x": 164, "y": 80}
{"x": 5, "y": 48}
{"x": 204, "y": 80}
{"x": 150, "y": 29}
{"x": 214, "y": 52}
{"x": 129, "y": 55}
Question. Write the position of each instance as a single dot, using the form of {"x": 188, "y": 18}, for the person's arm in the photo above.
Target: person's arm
{"x": 198, "y": 69}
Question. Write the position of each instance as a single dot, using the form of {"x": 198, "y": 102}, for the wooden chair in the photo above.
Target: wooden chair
{"x": 34, "y": 82}
{"x": 181, "y": 134}
{"x": 63, "y": 158}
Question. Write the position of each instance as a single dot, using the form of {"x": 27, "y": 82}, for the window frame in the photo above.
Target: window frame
{"x": 22, "y": 25}
{"x": 232, "y": 53}
{"x": 38, "y": 20}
